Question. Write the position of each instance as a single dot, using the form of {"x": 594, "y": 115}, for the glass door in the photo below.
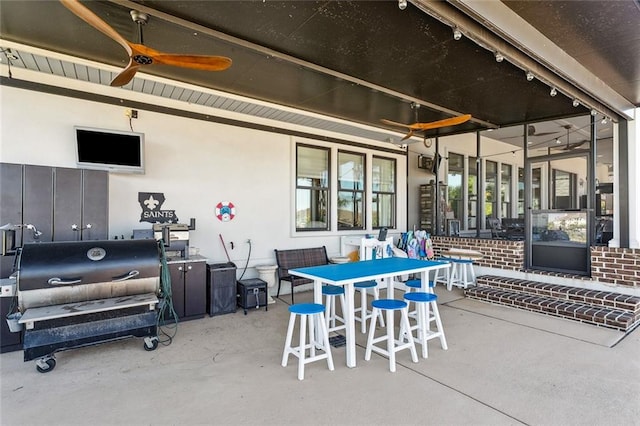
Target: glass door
{"x": 559, "y": 213}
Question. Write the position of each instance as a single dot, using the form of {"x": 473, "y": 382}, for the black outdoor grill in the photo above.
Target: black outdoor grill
{"x": 74, "y": 294}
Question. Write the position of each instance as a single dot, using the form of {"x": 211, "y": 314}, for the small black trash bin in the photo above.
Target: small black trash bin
{"x": 221, "y": 288}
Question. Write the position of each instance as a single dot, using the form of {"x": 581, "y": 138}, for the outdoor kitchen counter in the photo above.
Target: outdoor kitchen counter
{"x": 193, "y": 258}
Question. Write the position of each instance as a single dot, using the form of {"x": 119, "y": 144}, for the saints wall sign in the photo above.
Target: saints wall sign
{"x": 151, "y": 203}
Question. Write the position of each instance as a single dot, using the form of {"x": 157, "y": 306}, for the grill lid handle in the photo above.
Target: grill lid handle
{"x": 126, "y": 276}
{"x": 60, "y": 281}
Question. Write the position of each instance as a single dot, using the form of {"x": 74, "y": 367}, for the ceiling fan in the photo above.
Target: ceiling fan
{"x": 571, "y": 146}
{"x": 427, "y": 126}
{"x": 531, "y": 132}
{"x": 139, "y": 54}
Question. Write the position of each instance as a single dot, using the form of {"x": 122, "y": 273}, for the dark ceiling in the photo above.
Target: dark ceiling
{"x": 357, "y": 60}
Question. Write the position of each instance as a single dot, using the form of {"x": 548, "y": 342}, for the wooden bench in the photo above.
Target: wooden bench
{"x": 298, "y": 258}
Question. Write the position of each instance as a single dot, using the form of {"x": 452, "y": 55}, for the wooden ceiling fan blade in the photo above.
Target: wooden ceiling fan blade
{"x": 395, "y": 123}
{"x": 126, "y": 75}
{"x": 442, "y": 123}
{"x": 92, "y": 19}
{"x": 199, "y": 62}
{"x": 407, "y": 136}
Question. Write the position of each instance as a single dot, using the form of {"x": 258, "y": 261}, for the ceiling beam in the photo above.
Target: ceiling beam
{"x": 495, "y": 27}
{"x": 291, "y": 59}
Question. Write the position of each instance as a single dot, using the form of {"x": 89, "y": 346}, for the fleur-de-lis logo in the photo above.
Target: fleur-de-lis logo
{"x": 151, "y": 205}
{"x": 151, "y": 202}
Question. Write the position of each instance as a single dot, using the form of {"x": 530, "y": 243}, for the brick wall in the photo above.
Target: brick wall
{"x": 502, "y": 254}
{"x": 619, "y": 266}
{"x": 610, "y": 265}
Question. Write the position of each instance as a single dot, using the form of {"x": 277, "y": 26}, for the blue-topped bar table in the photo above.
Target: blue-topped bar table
{"x": 347, "y": 274}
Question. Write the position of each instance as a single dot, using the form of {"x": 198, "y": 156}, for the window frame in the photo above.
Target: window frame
{"x": 326, "y": 189}
{"x": 362, "y": 192}
{"x": 491, "y": 178}
{"x": 375, "y": 195}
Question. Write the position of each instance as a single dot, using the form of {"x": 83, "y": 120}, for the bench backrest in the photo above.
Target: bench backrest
{"x": 299, "y": 258}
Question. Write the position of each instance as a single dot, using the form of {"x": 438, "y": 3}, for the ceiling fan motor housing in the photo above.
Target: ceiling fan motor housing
{"x": 139, "y": 17}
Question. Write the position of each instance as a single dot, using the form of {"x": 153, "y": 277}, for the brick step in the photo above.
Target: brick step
{"x": 602, "y": 308}
{"x": 563, "y": 292}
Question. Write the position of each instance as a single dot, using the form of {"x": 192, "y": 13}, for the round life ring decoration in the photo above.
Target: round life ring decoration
{"x": 225, "y": 211}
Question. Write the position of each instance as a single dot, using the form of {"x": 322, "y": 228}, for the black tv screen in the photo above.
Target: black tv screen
{"x": 112, "y": 150}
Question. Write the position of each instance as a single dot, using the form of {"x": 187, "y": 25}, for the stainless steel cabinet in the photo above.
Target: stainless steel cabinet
{"x": 37, "y": 203}
{"x": 67, "y": 204}
{"x": 80, "y": 207}
{"x": 10, "y": 208}
{"x": 53, "y": 199}
{"x": 95, "y": 205}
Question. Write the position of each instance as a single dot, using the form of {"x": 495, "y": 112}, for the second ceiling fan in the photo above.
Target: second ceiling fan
{"x": 572, "y": 146}
{"x": 139, "y": 54}
{"x": 417, "y": 126}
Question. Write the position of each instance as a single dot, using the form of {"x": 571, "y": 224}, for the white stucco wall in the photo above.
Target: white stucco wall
{"x": 195, "y": 163}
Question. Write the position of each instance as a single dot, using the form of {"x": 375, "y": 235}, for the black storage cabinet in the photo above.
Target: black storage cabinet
{"x": 252, "y": 294}
{"x": 221, "y": 288}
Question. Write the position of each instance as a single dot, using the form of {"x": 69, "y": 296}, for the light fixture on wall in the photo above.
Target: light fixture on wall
{"x": 604, "y": 120}
{"x": 457, "y": 35}
{"x": 553, "y": 92}
{"x": 530, "y": 76}
{"x": 402, "y": 4}
{"x": 594, "y": 112}
{"x": 576, "y": 103}
{"x": 499, "y": 57}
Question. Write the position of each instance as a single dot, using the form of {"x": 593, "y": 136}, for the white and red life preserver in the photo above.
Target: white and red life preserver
{"x": 225, "y": 211}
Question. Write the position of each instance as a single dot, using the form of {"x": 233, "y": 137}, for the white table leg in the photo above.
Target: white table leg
{"x": 317, "y": 298}
{"x": 317, "y": 292}
{"x": 349, "y": 318}
{"x": 424, "y": 282}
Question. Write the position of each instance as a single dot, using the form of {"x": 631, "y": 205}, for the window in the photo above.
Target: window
{"x": 383, "y": 206}
{"x": 312, "y": 188}
{"x": 351, "y": 190}
{"x": 490, "y": 196}
{"x": 520, "y": 192}
{"x": 455, "y": 194}
{"x": 564, "y": 194}
{"x": 472, "y": 185}
{"x": 536, "y": 188}
{"x": 505, "y": 190}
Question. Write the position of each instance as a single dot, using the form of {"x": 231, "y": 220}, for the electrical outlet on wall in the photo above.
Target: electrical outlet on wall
{"x": 131, "y": 113}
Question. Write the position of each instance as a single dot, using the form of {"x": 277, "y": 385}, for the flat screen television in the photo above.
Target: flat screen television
{"x": 112, "y": 150}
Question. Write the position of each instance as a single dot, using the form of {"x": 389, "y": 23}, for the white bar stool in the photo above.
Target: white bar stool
{"x": 363, "y": 310}
{"x": 331, "y": 292}
{"x": 416, "y": 286}
{"x": 393, "y": 345}
{"x": 443, "y": 275}
{"x": 315, "y": 311}
{"x": 462, "y": 274}
{"x": 422, "y": 302}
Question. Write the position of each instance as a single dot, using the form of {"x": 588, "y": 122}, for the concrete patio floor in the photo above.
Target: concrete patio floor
{"x": 502, "y": 367}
